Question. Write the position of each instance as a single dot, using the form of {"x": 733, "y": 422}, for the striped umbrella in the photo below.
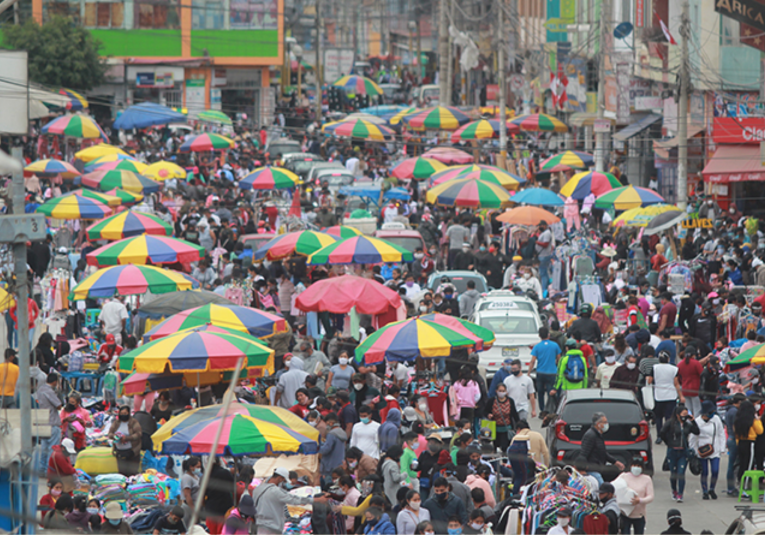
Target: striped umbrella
{"x": 418, "y": 168}
{"x": 131, "y": 280}
{"x": 483, "y": 337}
{"x": 126, "y": 224}
{"x": 97, "y": 151}
{"x": 257, "y": 323}
{"x": 53, "y": 167}
{"x": 205, "y": 142}
{"x": 468, "y": 192}
{"x": 302, "y": 242}
{"x": 359, "y": 129}
{"x": 269, "y": 178}
{"x": 76, "y": 101}
{"x": 103, "y": 198}
{"x": 127, "y": 197}
{"x": 641, "y": 216}
{"x": 570, "y": 158}
{"x": 753, "y": 355}
{"x": 162, "y": 170}
{"x": 360, "y": 250}
{"x": 146, "y": 249}
{"x": 123, "y": 165}
{"x": 628, "y": 197}
{"x": 127, "y": 180}
{"x": 538, "y": 196}
{"x": 214, "y": 116}
{"x": 395, "y": 118}
{"x": 74, "y": 207}
{"x": 481, "y": 129}
{"x": 80, "y": 126}
{"x": 138, "y": 383}
{"x": 581, "y": 185}
{"x": 358, "y": 85}
{"x": 489, "y": 173}
{"x": 449, "y": 156}
{"x": 539, "y": 122}
{"x": 342, "y": 231}
{"x": 92, "y": 165}
{"x": 527, "y": 216}
{"x": 436, "y": 118}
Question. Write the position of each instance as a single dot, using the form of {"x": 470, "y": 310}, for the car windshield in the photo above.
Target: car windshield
{"x": 615, "y": 411}
{"x": 337, "y": 179}
{"x": 408, "y": 243}
{"x": 510, "y": 324}
{"x": 499, "y": 304}
{"x": 300, "y": 166}
{"x": 432, "y": 93}
{"x": 460, "y": 283}
{"x": 282, "y": 148}
{"x": 389, "y": 91}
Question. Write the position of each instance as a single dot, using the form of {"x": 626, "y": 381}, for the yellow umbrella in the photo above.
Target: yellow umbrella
{"x": 96, "y": 151}
{"x": 642, "y": 215}
{"x": 164, "y": 171}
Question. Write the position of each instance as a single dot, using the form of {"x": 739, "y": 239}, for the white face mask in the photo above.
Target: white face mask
{"x": 430, "y": 533}
{"x": 630, "y": 365}
{"x": 610, "y": 359}
{"x": 423, "y": 406}
{"x": 527, "y": 275}
{"x": 501, "y": 395}
{"x": 415, "y": 505}
{"x": 606, "y": 426}
{"x": 313, "y": 423}
{"x": 423, "y": 308}
{"x": 358, "y": 386}
{"x": 636, "y": 471}
{"x": 343, "y": 361}
{"x": 477, "y": 527}
{"x": 563, "y": 522}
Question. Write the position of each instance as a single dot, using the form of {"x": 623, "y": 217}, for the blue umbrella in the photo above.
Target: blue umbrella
{"x": 538, "y": 197}
{"x": 147, "y": 114}
{"x": 384, "y": 109}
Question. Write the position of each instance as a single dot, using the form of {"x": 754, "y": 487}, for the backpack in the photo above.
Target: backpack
{"x": 574, "y": 372}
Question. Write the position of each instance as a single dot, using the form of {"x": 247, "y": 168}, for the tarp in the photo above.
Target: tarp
{"x": 372, "y": 193}
{"x": 735, "y": 163}
{"x": 147, "y": 114}
{"x": 635, "y": 128}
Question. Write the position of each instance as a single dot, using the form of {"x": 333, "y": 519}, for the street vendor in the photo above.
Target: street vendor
{"x": 108, "y": 353}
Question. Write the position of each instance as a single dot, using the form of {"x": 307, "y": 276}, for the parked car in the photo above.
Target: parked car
{"x": 300, "y": 163}
{"x": 458, "y": 279}
{"x": 281, "y": 146}
{"x": 320, "y": 166}
{"x": 505, "y": 300}
{"x": 516, "y": 330}
{"x": 254, "y": 241}
{"x": 335, "y": 178}
{"x": 628, "y": 435}
{"x": 426, "y": 95}
{"x": 408, "y": 239}
{"x": 394, "y": 93}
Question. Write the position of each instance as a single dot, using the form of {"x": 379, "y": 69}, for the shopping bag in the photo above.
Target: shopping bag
{"x": 648, "y": 400}
{"x": 492, "y": 425}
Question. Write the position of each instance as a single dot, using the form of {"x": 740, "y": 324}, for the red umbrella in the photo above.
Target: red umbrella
{"x": 339, "y": 294}
{"x": 449, "y": 156}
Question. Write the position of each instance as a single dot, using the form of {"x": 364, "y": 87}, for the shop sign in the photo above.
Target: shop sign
{"x": 601, "y": 126}
{"x": 746, "y": 11}
{"x": 152, "y": 79}
{"x": 738, "y": 130}
{"x": 694, "y": 221}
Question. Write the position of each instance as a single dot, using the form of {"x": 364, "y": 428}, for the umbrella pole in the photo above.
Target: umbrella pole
{"x": 199, "y": 394}
{"x": 208, "y": 469}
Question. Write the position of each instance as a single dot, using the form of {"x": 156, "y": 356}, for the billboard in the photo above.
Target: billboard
{"x": 337, "y": 62}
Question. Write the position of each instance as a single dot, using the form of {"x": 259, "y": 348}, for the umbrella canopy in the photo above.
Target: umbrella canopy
{"x": 394, "y": 119}
{"x": 384, "y": 109}
{"x": 122, "y": 165}
{"x": 449, "y": 156}
{"x": 138, "y": 383}
{"x": 147, "y": 114}
{"x": 359, "y": 85}
{"x": 539, "y": 122}
{"x": 418, "y": 168}
{"x": 581, "y": 185}
{"x": 374, "y": 119}
{"x": 360, "y": 250}
{"x": 146, "y": 249}
{"x": 489, "y": 173}
{"x": 570, "y": 158}
{"x": 74, "y": 207}
{"x": 628, "y": 197}
{"x": 171, "y": 303}
{"x": 269, "y": 178}
{"x": 76, "y": 101}
{"x": 97, "y": 151}
{"x": 257, "y": 323}
{"x": 528, "y": 216}
{"x": 81, "y": 126}
{"x": 127, "y": 180}
{"x": 339, "y": 294}
{"x": 665, "y": 221}
{"x": 127, "y": 197}
{"x": 52, "y": 167}
{"x": 537, "y": 196}
{"x": 639, "y": 217}
{"x": 359, "y": 129}
{"x": 131, "y": 280}
{"x": 483, "y": 337}
{"x": 107, "y": 158}
{"x": 747, "y": 358}
{"x": 342, "y": 231}
{"x": 198, "y": 350}
{"x": 481, "y": 129}
{"x": 205, "y": 142}
{"x": 470, "y": 192}
{"x": 162, "y": 170}
{"x": 302, "y": 242}
{"x": 436, "y": 118}
{"x": 103, "y": 198}
{"x": 214, "y": 116}
{"x": 126, "y": 224}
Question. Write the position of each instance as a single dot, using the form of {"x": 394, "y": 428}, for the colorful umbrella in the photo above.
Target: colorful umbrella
{"x": 127, "y": 180}
{"x": 92, "y": 165}
{"x": 269, "y": 178}
{"x": 418, "y": 168}
{"x": 396, "y": 118}
{"x": 214, "y": 116}
{"x": 160, "y": 171}
{"x": 302, "y": 242}
{"x": 342, "y": 231}
{"x": 539, "y": 122}
{"x": 131, "y": 280}
{"x": 360, "y": 250}
{"x": 641, "y": 216}
{"x": 481, "y": 129}
{"x": 258, "y": 323}
{"x": 470, "y": 192}
{"x": 537, "y": 196}
{"x": 97, "y": 151}
{"x": 146, "y": 249}
{"x": 358, "y": 85}
{"x": 127, "y": 197}
{"x": 436, "y": 118}
{"x": 126, "y": 224}
{"x": 52, "y": 167}
{"x": 747, "y": 358}
{"x": 103, "y": 198}
{"x": 339, "y": 294}
{"x": 359, "y": 129}
{"x": 483, "y": 337}
{"x": 570, "y": 158}
{"x": 76, "y": 101}
{"x": 408, "y": 339}
{"x": 665, "y": 221}
{"x": 528, "y": 216}
{"x": 449, "y": 156}
{"x": 374, "y": 119}
{"x": 205, "y": 142}
{"x": 74, "y": 207}
{"x": 628, "y": 197}
{"x": 581, "y": 185}
{"x": 123, "y": 165}
{"x": 137, "y": 383}
{"x": 489, "y": 173}
{"x": 81, "y": 126}
{"x": 494, "y": 111}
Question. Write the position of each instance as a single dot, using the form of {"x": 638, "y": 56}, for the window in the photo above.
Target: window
{"x": 104, "y": 15}
{"x": 254, "y": 14}
{"x": 207, "y": 15}
{"x": 729, "y": 31}
{"x": 510, "y": 325}
{"x": 156, "y": 14}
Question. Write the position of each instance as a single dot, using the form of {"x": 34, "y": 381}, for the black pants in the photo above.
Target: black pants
{"x": 662, "y": 411}
{"x": 745, "y": 456}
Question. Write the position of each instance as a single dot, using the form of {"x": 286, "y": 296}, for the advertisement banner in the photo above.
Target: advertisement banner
{"x": 337, "y": 62}
{"x": 749, "y": 12}
{"x": 738, "y": 130}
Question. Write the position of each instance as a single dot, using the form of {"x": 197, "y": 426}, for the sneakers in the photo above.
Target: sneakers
{"x": 679, "y": 498}
{"x": 733, "y": 493}
{"x": 658, "y": 440}
{"x": 713, "y": 494}
{"x": 706, "y": 496}
{"x": 674, "y": 496}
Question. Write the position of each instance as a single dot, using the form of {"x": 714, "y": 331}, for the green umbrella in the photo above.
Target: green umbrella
{"x": 214, "y": 116}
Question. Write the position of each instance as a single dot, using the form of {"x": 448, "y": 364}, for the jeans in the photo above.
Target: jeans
{"x": 732, "y": 456}
{"x": 705, "y": 465}
{"x": 544, "y": 273}
{"x": 8, "y": 402}
{"x": 663, "y": 411}
{"x": 637, "y": 524}
{"x": 46, "y": 447}
{"x": 597, "y": 476}
{"x": 13, "y": 335}
{"x": 694, "y": 405}
{"x": 678, "y": 462}
{"x": 545, "y": 383}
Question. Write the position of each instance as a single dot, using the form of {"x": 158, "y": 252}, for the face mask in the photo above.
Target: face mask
{"x": 55, "y": 492}
{"x": 482, "y": 249}
{"x": 423, "y": 406}
{"x": 610, "y": 359}
{"x": 92, "y": 510}
{"x": 430, "y": 533}
{"x": 418, "y": 256}
{"x": 501, "y": 395}
{"x": 636, "y": 471}
{"x": 415, "y": 505}
{"x": 358, "y": 386}
{"x": 343, "y": 361}
{"x": 365, "y": 420}
{"x": 432, "y": 448}
{"x": 115, "y": 521}
{"x": 454, "y": 531}
{"x": 527, "y": 276}
{"x": 515, "y": 372}
{"x": 465, "y": 250}
{"x": 605, "y": 428}
{"x": 441, "y": 497}
{"x": 124, "y": 417}
{"x": 409, "y": 284}
{"x": 198, "y": 472}
{"x": 448, "y": 295}
{"x": 477, "y": 527}
{"x": 352, "y": 464}
{"x": 433, "y": 252}
{"x": 709, "y": 203}
{"x": 313, "y": 423}
{"x": 563, "y": 522}
{"x": 492, "y": 249}
{"x": 69, "y": 407}
{"x": 630, "y": 365}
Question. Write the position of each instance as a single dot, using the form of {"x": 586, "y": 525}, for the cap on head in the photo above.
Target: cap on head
{"x": 565, "y": 512}
{"x": 114, "y": 511}
{"x": 68, "y": 445}
{"x": 282, "y": 472}
{"x": 109, "y": 338}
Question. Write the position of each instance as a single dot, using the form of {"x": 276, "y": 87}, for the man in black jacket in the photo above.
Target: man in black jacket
{"x": 593, "y": 449}
{"x": 442, "y": 505}
{"x": 609, "y": 507}
{"x": 588, "y": 327}
{"x": 704, "y": 326}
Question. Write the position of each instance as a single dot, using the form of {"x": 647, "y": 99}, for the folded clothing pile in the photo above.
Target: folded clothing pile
{"x": 110, "y": 487}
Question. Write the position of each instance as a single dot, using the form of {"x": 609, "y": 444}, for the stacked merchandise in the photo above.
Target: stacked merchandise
{"x": 546, "y": 495}
{"x": 111, "y": 488}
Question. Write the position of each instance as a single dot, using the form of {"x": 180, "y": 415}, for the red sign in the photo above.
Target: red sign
{"x": 492, "y": 91}
{"x": 639, "y": 13}
{"x": 738, "y": 130}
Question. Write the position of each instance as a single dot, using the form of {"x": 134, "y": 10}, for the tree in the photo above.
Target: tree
{"x": 60, "y": 54}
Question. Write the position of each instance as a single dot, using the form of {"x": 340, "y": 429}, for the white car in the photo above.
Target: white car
{"x": 505, "y": 299}
{"x": 516, "y": 331}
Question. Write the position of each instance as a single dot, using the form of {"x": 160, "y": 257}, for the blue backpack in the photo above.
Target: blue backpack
{"x": 574, "y": 372}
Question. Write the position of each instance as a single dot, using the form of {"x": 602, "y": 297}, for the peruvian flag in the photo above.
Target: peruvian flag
{"x": 670, "y": 39}
{"x": 554, "y": 89}
{"x": 558, "y": 85}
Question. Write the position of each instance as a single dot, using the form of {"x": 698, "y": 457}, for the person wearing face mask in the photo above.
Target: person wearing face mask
{"x": 444, "y": 507}
{"x": 626, "y": 376}
{"x": 709, "y": 209}
{"x": 501, "y": 409}
{"x": 412, "y": 514}
{"x": 544, "y": 356}
{"x": 606, "y": 370}
{"x": 60, "y": 466}
{"x": 377, "y": 522}
{"x": 74, "y": 420}
{"x": 192, "y": 475}
{"x": 125, "y": 434}
{"x": 641, "y": 487}
{"x": 341, "y": 373}
{"x": 270, "y": 499}
{"x": 476, "y": 525}
{"x": 529, "y": 282}
{"x": 422, "y": 266}
{"x": 594, "y": 451}
{"x": 464, "y": 259}
{"x": 468, "y": 299}
{"x": 411, "y": 288}
{"x": 675, "y": 434}
{"x": 365, "y": 434}
{"x": 115, "y": 523}
{"x": 708, "y": 445}
{"x": 563, "y": 527}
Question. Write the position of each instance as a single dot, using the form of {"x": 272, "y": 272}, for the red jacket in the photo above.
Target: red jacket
{"x": 59, "y": 464}
{"x": 34, "y": 311}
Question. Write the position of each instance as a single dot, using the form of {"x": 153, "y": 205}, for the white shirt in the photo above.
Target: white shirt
{"x": 557, "y": 529}
{"x": 519, "y": 387}
{"x": 401, "y": 373}
{"x": 365, "y": 437}
{"x": 412, "y": 290}
{"x": 352, "y": 164}
{"x": 664, "y": 382}
{"x": 112, "y": 314}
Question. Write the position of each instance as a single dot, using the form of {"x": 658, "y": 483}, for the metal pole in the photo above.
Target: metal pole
{"x": 443, "y": 53}
{"x": 502, "y": 89}
{"x": 682, "y": 127}
{"x": 600, "y": 148}
{"x": 419, "y": 53}
{"x": 319, "y": 69}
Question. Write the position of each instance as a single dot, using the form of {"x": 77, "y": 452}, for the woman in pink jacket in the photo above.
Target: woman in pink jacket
{"x": 467, "y": 394}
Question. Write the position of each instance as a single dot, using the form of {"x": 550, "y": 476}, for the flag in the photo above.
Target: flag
{"x": 670, "y": 39}
{"x": 554, "y": 89}
{"x": 563, "y": 82}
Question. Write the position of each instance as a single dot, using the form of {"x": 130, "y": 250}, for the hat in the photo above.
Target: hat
{"x": 517, "y": 258}
{"x": 570, "y": 342}
{"x": 436, "y": 437}
{"x": 410, "y": 414}
{"x": 247, "y": 506}
{"x": 177, "y": 511}
{"x": 608, "y": 251}
{"x": 113, "y": 511}
{"x": 63, "y": 250}
{"x": 738, "y": 397}
{"x": 708, "y": 407}
{"x": 282, "y": 472}
{"x": 606, "y": 488}
{"x": 673, "y": 514}
{"x": 331, "y": 391}
{"x": 712, "y": 295}
{"x": 564, "y": 511}
{"x": 508, "y": 360}
{"x": 68, "y": 445}
{"x": 109, "y": 338}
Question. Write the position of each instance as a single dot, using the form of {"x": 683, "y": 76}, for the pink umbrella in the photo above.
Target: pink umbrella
{"x": 339, "y": 294}
{"x": 449, "y": 156}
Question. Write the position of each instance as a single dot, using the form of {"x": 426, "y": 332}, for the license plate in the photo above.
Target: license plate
{"x": 510, "y": 352}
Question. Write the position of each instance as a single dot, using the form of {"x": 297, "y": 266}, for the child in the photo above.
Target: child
{"x": 455, "y": 526}
{"x": 172, "y": 523}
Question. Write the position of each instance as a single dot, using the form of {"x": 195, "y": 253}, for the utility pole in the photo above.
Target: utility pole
{"x": 319, "y": 69}
{"x": 443, "y": 53}
{"x": 682, "y": 127}
{"x": 600, "y": 149}
{"x": 419, "y": 52}
{"x": 502, "y": 79}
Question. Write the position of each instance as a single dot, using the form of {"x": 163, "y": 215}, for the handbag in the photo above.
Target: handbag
{"x": 492, "y": 426}
{"x": 708, "y": 449}
{"x": 665, "y": 465}
{"x": 694, "y": 463}
{"x": 648, "y": 399}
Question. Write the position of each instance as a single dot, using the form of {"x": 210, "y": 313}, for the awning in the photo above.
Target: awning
{"x": 635, "y": 128}
{"x": 693, "y": 130}
{"x": 735, "y": 163}
{"x": 583, "y": 118}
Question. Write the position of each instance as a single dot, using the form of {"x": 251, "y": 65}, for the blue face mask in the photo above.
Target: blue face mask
{"x": 365, "y": 420}
{"x": 454, "y": 531}
{"x": 115, "y": 522}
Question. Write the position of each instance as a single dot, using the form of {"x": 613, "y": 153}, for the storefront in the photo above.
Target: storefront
{"x": 162, "y": 84}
